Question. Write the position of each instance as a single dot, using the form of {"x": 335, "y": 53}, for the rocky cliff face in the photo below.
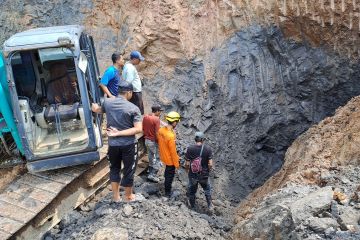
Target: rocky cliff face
{"x": 253, "y": 75}
{"x": 315, "y": 195}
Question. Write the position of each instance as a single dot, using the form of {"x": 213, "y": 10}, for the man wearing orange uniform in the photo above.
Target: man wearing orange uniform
{"x": 167, "y": 149}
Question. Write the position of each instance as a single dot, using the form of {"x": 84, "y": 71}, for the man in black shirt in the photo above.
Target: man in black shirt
{"x": 199, "y": 174}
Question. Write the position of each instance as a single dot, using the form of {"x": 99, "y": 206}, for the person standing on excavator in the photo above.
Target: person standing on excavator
{"x": 109, "y": 83}
{"x": 198, "y": 164}
{"x": 123, "y": 123}
{"x": 167, "y": 148}
{"x": 151, "y": 125}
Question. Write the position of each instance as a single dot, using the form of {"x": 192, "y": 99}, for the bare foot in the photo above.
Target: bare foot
{"x": 116, "y": 198}
{"x": 130, "y": 198}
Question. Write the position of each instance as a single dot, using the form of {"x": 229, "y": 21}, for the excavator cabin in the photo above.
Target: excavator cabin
{"x": 53, "y": 79}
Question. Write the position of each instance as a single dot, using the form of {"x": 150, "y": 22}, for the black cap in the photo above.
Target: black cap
{"x": 125, "y": 86}
{"x": 156, "y": 108}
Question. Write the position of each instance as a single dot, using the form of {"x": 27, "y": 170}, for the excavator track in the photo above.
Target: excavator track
{"x": 35, "y": 202}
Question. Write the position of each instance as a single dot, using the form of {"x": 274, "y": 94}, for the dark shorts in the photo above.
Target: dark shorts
{"x": 137, "y": 100}
{"x": 127, "y": 156}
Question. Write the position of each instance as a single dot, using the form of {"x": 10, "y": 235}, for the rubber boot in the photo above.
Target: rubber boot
{"x": 150, "y": 170}
{"x": 209, "y": 204}
{"x": 152, "y": 175}
{"x": 192, "y": 202}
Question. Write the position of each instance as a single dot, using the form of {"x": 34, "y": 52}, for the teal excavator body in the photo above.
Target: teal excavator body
{"x": 7, "y": 121}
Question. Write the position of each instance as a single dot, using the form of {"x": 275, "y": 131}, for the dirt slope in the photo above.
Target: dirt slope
{"x": 326, "y": 155}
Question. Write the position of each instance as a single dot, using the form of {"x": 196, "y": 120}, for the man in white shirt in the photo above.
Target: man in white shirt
{"x": 131, "y": 75}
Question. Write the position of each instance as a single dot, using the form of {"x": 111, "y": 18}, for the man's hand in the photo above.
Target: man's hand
{"x": 112, "y": 132}
{"x": 187, "y": 166}
{"x": 96, "y": 108}
{"x": 106, "y": 91}
{"x": 210, "y": 165}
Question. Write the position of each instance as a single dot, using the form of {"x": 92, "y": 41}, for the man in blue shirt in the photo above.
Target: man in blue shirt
{"x": 131, "y": 75}
{"x": 109, "y": 83}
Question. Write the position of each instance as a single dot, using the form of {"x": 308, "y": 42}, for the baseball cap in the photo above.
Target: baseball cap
{"x": 156, "y": 108}
{"x": 136, "y": 54}
{"x": 125, "y": 86}
{"x": 200, "y": 135}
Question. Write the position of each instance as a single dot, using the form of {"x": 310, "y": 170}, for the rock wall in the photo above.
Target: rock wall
{"x": 315, "y": 195}
{"x": 252, "y": 74}
{"x": 266, "y": 91}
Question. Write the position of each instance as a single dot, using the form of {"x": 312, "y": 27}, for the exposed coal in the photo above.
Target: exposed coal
{"x": 266, "y": 90}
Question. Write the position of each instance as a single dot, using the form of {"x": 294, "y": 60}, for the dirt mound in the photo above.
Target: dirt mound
{"x": 153, "y": 217}
{"x": 323, "y": 161}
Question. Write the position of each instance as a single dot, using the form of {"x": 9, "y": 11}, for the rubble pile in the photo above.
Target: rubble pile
{"x": 152, "y": 217}
{"x": 309, "y": 212}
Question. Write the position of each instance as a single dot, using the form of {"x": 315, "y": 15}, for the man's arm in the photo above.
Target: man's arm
{"x": 113, "y": 132}
{"x": 105, "y": 81}
{"x": 187, "y": 160}
{"x": 210, "y": 164}
{"x": 187, "y": 164}
{"x": 96, "y": 108}
{"x": 157, "y": 127}
{"x": 173, "y": 153}
{"x": 106, "y": 90}
{"x": 129, "y": 73}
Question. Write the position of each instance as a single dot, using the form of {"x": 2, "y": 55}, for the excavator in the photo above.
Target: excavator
{"x": 49, "y": 79}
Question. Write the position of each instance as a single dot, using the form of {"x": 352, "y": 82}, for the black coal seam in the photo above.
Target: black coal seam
{"x": 300, "y": 91}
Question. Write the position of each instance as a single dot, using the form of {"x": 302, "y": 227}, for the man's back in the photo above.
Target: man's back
{"x": 111, "y": 79}
{"x": 131, "y": 75}
{"x": 151, "y": 125}
{"x": 167, "y": 147}
{"x": 194, "y": 151}
{"x": 121, "y": 114}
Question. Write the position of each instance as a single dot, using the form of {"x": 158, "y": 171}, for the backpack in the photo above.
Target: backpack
{"x": 196, "y": 163}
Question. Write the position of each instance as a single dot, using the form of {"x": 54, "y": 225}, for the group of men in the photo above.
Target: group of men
{"x": 121, "y": 70}
{"x": 124, "y": 109}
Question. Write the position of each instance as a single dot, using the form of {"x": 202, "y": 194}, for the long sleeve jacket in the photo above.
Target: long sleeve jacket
{"x": 167, "y": 147}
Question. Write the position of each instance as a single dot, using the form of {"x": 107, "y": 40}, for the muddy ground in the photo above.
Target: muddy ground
{"x": 153, "y": 217}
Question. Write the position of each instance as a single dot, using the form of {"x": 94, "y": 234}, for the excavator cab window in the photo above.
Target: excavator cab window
{"x": 50, "y": 101}
{"x": 24, "y": 74}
